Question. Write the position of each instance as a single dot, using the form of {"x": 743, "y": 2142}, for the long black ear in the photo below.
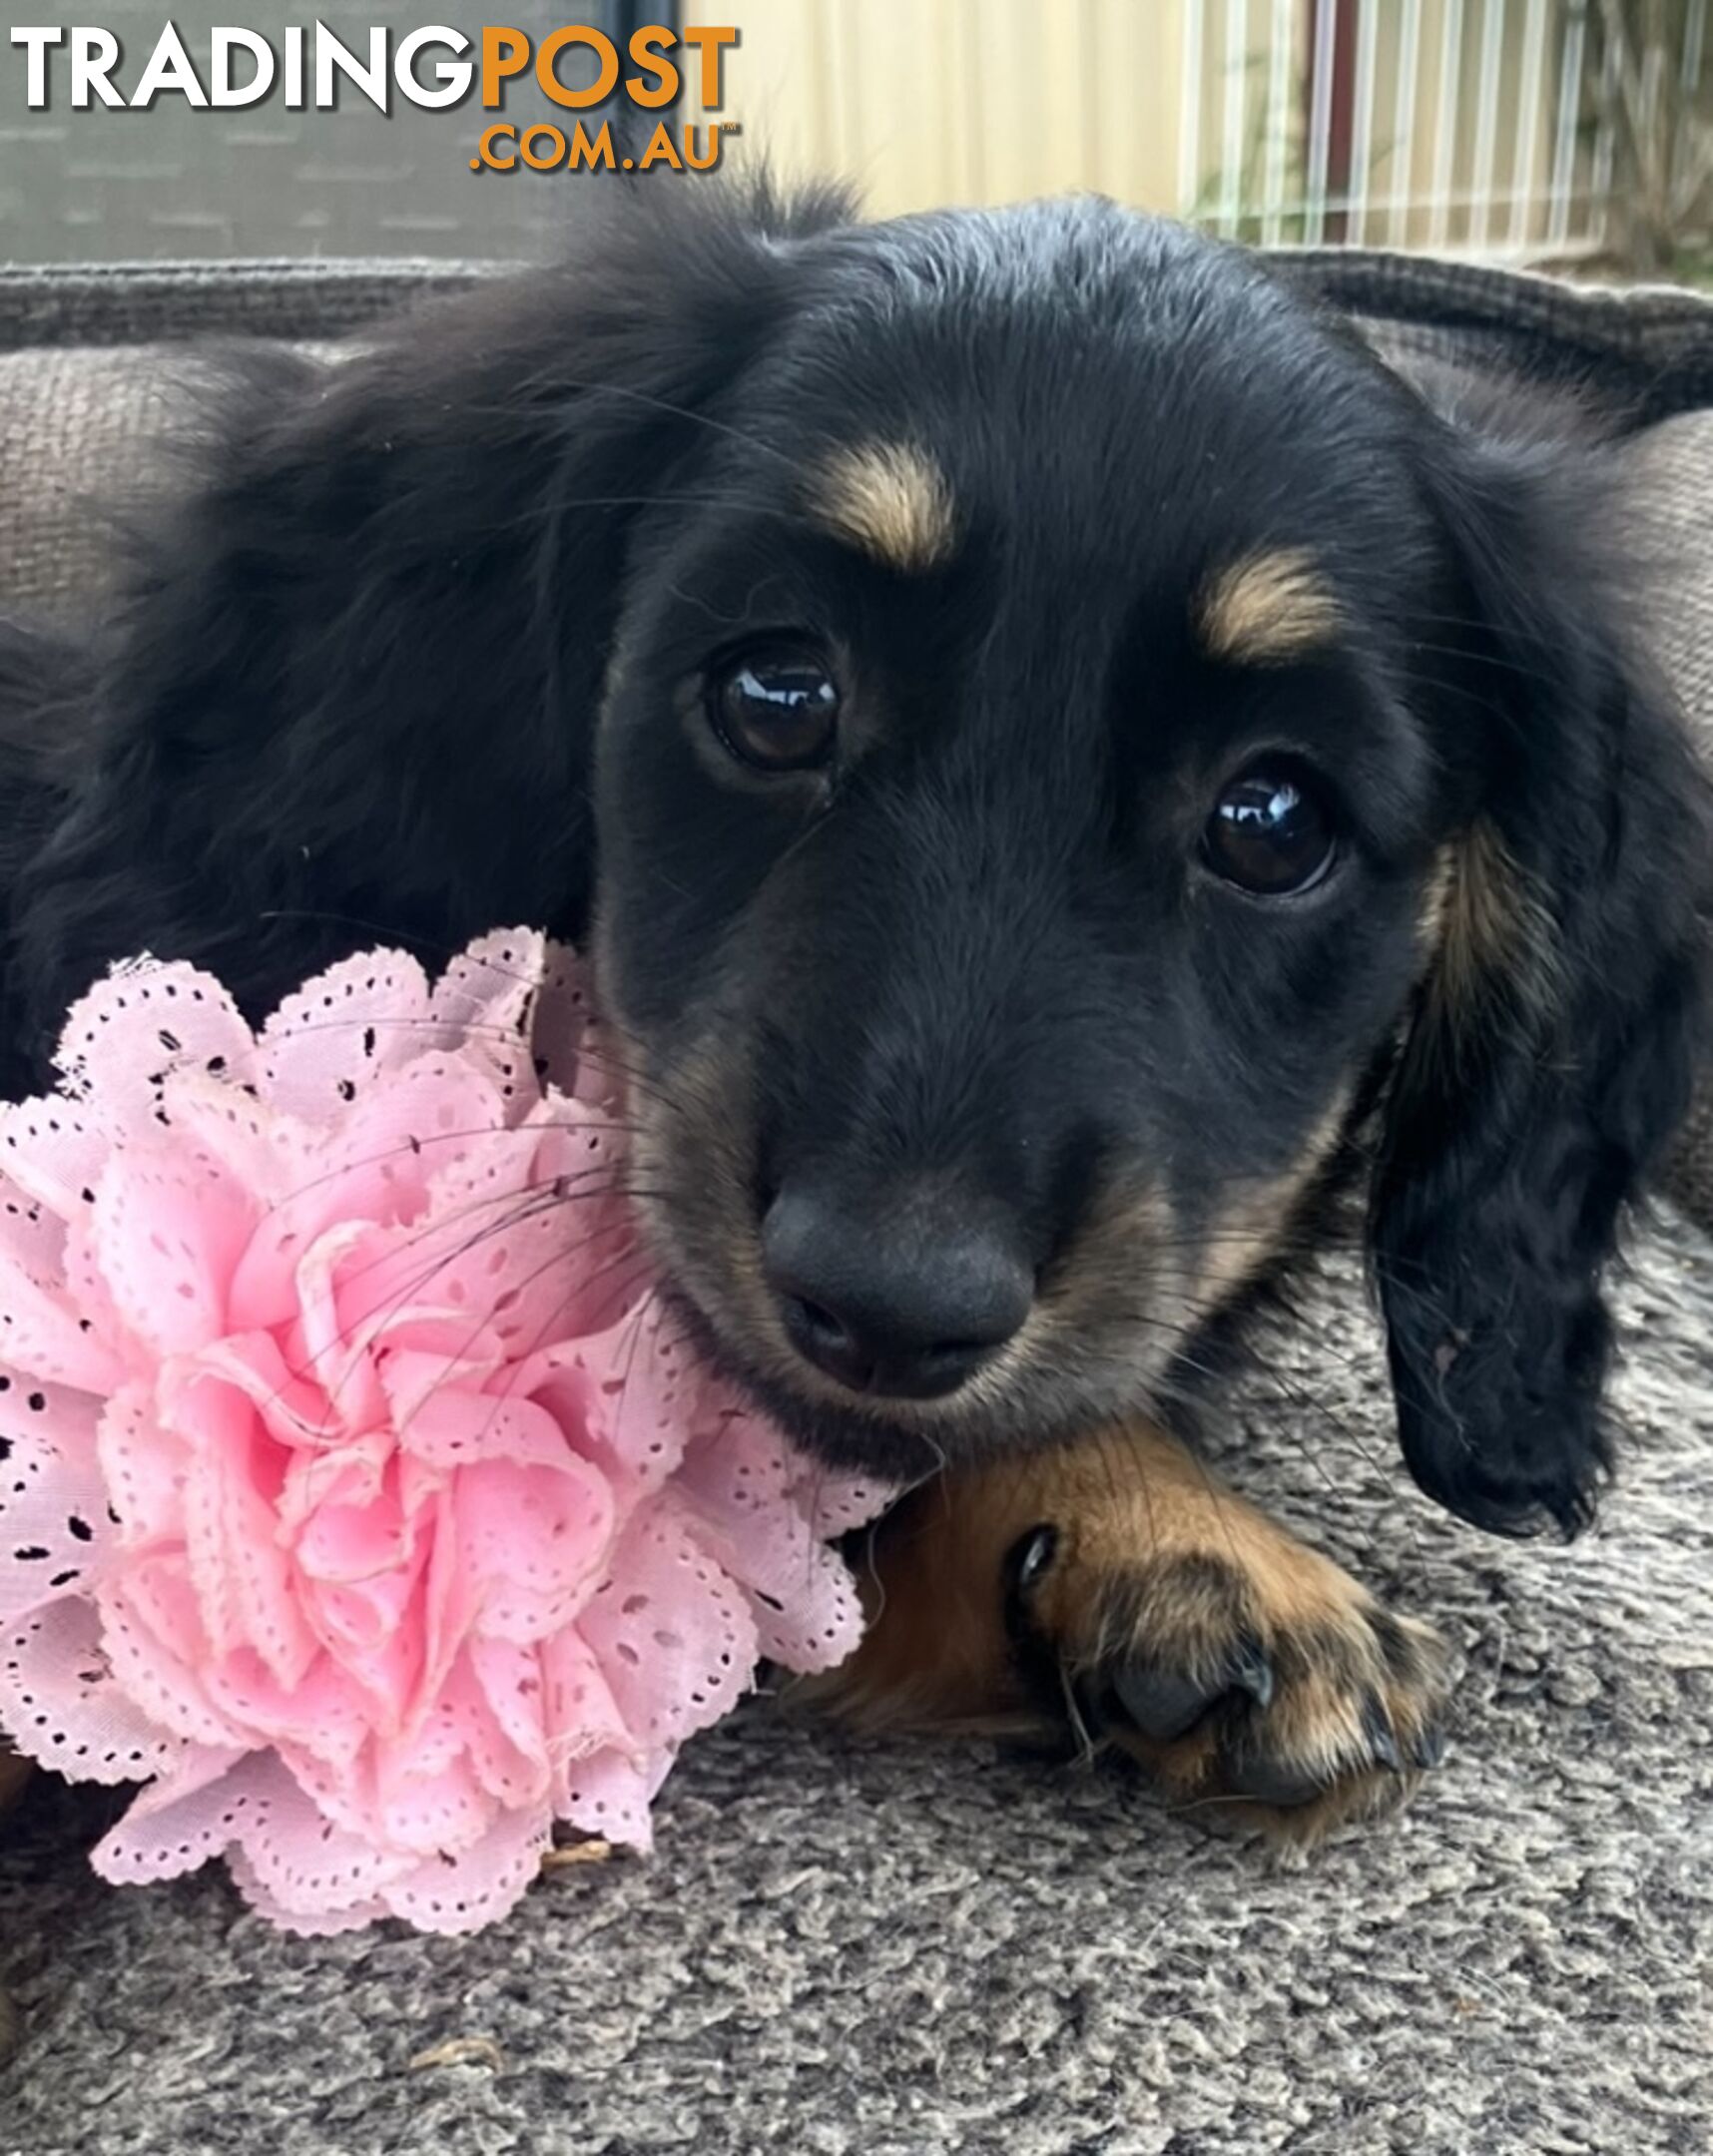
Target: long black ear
{"x": 1552, "y": 1049}
{"x": 355, "y": 671}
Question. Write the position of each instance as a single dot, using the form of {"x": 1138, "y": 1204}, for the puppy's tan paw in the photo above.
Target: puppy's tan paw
{"x": 1240, "y": 1668}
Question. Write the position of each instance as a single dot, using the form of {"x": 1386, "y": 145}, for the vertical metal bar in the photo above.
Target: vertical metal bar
{"x": 1570, "y": 114}
{"x": 632, "y": 125}
{"x": 1487, "y": 121}
{"x": 1694, "y": 45}
{"x": 1190, "y": 112}
{"x": 1236, "y": 63}
{"x": 1404, "y": 123}
{"x": 1689, "y": 82}
{"x": 1652, "y": 87}
{"x": 1601, "y": 207}
{"x": 1446, "y": 134}
{"x": 1282, "y": 38}
{"x": 1320, "y": 121}
{"x": 1530, "y": 97}
{"x": 1362, "y": 123}
{"x": 1653, "y": 73}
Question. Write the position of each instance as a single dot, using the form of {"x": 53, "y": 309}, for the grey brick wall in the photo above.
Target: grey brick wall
{"x": 173, "y": 183}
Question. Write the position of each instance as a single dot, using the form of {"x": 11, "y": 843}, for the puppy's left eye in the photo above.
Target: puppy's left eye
{"x": 1270, "y": 833}
{"x": 777, "y": 708}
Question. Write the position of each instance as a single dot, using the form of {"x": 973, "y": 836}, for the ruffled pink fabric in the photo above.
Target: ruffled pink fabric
{"x": 355, "y": 1495}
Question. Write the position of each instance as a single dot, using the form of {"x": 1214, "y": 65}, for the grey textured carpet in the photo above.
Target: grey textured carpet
{"x": 898, "y": 1951}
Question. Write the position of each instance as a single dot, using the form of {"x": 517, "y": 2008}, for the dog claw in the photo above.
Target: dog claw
{"x": 1252, "y": 1672}
{"x": 1165, "y": 1706}
{"x": 1381, "y": 1740}
{"x": 1429, "y": 1748}
{"x": 1276, "y": 1782}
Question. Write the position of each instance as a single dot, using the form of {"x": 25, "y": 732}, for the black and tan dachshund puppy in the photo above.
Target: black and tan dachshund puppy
{"x": 1069, "y": 769}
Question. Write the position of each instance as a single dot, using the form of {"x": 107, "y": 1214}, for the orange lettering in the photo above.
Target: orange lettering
{"x": 546, "y": 70}
{"x": 646, "y": 50}
{"x": 504, "y": 52}
{"x": 709, "y": 41}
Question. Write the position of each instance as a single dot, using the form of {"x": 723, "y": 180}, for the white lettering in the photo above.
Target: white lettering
{"x": 330, "y": 54}
{"x": 36, "y": 42}
{"x": 94, "y": 56}
{"x": 169, "y": 69}
{"x": 453, "y": 76}
{"x": 224, "y": 44}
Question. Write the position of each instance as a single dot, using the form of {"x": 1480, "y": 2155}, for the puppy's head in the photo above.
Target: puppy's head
{"x": 1014, "y": 830}
{"x": 1078, "y": 759}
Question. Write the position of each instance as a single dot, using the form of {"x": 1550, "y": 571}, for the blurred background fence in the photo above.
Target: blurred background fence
{"x": 1545, "y": 131}
{"x": 1522, "y": 130}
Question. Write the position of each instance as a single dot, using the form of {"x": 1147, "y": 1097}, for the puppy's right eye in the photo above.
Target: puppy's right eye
{"x": 777, "y": 708}
{"x": 1270, "y": 833}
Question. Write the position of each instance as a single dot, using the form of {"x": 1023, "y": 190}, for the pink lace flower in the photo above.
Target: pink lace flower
{"x": 355, "y": 1495}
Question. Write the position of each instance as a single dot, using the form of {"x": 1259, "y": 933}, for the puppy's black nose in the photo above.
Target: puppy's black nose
{"x": 905, "y": 1298}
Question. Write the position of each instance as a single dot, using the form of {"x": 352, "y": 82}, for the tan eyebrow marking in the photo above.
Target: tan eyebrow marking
{"x": 1267, "y": 608}
{"x": 890, "y": 500}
